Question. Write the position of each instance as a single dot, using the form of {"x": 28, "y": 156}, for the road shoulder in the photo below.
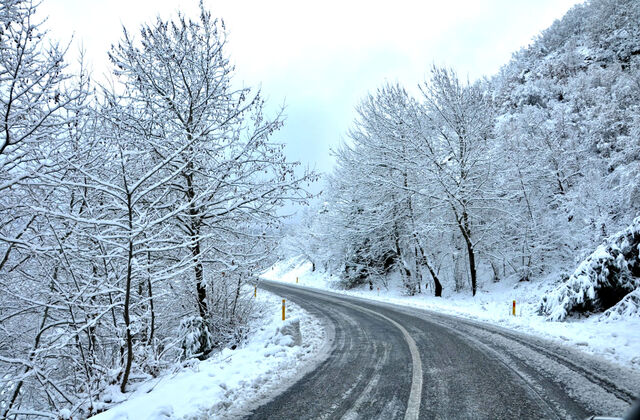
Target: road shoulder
{"x": 616, "y": 341}
{"x": 233, "y": 382}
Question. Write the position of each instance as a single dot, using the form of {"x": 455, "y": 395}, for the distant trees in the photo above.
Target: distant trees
{"x": 516, "y": 176}
{"x": 131, "y": 215}
{"x": 408, "y": 161}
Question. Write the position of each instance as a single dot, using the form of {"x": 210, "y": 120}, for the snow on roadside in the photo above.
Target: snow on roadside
{"x": 232, "y": 382}
{"x": 617, "y": 340}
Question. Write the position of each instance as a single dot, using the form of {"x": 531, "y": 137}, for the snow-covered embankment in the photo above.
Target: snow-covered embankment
{"x": 232, "y": 382}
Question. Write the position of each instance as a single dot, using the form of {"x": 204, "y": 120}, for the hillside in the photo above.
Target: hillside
{"x": 514, "y": 178}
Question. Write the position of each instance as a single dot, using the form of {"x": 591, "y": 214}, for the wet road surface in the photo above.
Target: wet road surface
{"x": 394, "y": 362}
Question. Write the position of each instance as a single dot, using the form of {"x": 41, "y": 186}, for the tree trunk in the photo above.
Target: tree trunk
{"x": 194, "y": 230}
{"x": 463, "y": 225}
{"x": 436, "y": 280}
{"x": 200, "y": 286}
{"x": 466, "y": 234}
{"x": 152, "y": 327}
{"x": 472, "y": 267}
{"x": 237, "y": 296}
{"x": 127, "y": 298}
{"x": 404, "y": 271}
{"x": 434, "y": 276}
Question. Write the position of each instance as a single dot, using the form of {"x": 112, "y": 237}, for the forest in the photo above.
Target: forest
{"x": 132, "y": 213}
{"x": 453, "y": 184}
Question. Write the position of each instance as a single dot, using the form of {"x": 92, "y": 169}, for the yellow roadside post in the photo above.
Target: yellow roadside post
{"x": 283, "y": 309}
{"x": 255, "y": 291}
{"x": 296, "y": 280}
{"x": 514, "y": 308}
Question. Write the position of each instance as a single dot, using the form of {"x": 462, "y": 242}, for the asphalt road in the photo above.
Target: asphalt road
{"x": 393, "y": 362}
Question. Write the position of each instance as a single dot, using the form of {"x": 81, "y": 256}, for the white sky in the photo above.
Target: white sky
{"x": 322, "y": 57}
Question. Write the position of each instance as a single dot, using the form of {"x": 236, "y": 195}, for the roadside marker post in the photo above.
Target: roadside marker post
{"x": 255, "y": 291}
{"x": 514, "y": 308}
{"x": 296, "y": 280}
{"x": 283, "y": 309}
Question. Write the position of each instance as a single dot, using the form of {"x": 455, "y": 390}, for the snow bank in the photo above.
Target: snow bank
{"x": 301, "y": 269}
{"x": 614, "y": 338}
{"x": 602, "y": 280}
{"x": 231, "y": 382}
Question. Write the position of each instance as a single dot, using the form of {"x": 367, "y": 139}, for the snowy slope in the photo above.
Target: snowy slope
{"x": 233, "y": 381}
{"x": 615, "y": 339}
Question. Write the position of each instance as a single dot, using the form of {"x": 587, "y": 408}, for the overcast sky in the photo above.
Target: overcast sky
{"x": 320, "y": 58}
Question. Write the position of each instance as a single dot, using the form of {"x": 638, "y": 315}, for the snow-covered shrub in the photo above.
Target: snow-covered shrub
{"x": 628, "y": 307}
{"x": 196, "y": 338}
{"x": 602, "y": 280}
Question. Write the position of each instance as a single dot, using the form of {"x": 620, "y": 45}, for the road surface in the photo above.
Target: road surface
{"x": 394, "y": 362}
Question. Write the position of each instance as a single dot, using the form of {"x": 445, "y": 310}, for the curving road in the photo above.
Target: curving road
{"x": 394, "y": 362}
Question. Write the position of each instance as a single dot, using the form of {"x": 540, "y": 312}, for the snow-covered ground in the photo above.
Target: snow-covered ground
{"x": 617, "y": 340}
{"x": 232, "y": 382}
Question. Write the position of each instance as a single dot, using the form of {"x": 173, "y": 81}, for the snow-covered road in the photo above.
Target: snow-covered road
{"x": 462, "y": 369}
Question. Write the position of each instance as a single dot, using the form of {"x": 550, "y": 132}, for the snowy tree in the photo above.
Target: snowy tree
{"x": 128, "y": 211}
{"x": 233, "y": 172}
{"x": 457, "y": 141}
{"x": 521, "y": 174}
{"x": 40, "y": 104}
